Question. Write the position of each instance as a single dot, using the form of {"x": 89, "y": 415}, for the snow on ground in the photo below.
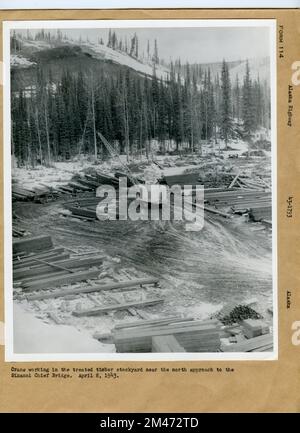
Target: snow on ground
{"x": 201, "y": 311}
{"x": 59, "y": 174}
{"x": 259, "y": 67}
{"x": 19, "y": 61}
{"x": 102, "y": 51}
{"x": 36, "y": 45}
{"x": 31, "y": 335}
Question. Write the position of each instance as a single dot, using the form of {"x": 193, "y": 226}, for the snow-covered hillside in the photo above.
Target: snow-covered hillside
{"x": 258, "y": 68}
{"x": 104, "y": 52}
{"x": 97, "y": 51}
{"x": 20, "y": 61}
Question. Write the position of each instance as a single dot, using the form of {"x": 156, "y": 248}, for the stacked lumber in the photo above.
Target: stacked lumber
{"x": 79, "y": 184}
{"x": 31, "y": 244}
{"x": 124, "y": 285}
{"x": 59, "y": 279}
{"x": 85, "y": 208}
{"x": 192, "y": 336}
{"x": 234, "y": 197}
{"x": 166, "y": 343}
{"x": 44, "y": 268}
{"x": 141, "y": 324}
{"x": 38, "y": 265}
{"x": 20, "y": 193}
{"x": 254, "y": 327}
{"x": 257, "y": 203}
{"x": 119, "y": 174}
{"x": 52, "y": 255}
{"x": 182, "y": 179}
{"x": 262, "y": 343}
{"x": 261, "y": 212}
{"x": 40, "y": 194}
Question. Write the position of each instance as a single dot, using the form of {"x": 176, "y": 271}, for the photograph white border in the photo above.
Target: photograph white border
{"x": 8, "y": 293}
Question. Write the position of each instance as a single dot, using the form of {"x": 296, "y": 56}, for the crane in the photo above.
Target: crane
{"x": 114, "y": 154}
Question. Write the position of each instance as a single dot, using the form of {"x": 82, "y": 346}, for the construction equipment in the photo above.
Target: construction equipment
{"x": 146, "y": 193}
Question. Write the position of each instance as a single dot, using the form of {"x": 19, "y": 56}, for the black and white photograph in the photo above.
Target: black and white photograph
{"x": 140, "y": 190}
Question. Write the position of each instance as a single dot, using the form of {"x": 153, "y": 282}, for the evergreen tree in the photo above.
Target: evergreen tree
{"x": 226, "y": 120}
{"x": 155, "y": 55}
{"x": 248, "y": 106}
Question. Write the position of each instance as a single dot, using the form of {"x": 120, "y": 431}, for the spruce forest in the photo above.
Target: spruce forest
{"x": 65, "y": 94}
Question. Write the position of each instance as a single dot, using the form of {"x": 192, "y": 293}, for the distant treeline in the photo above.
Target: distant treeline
{"x": 56, "y": 119}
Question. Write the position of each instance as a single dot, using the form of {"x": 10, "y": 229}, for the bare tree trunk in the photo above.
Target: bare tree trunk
{"x": 47, "y": 135}
{"x": 94, "y": 120}
{"x": 126, "y": 122}
{"x": 39, "y": 135}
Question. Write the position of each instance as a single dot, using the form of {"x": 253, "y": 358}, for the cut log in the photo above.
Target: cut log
{"x": 61, "y": 280}
{"x": 100, "y": 310}
{"x": 79, "y": 290}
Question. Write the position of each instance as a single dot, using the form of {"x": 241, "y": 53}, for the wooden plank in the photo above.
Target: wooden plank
{"x": 70, "y": 264}
{"x": 100, "y": 310}
{"x": 234, "y": 180}
{"x": 75, "y": 185}
{"x": 211, "y": 210}
{"x": 83, "y": 212}
{"x": 23, "y": 264}
{"x": 197, "y": 337}
{"x": 39, "y": 278}
{"x": 249, "y": 345}
{"x": 61, "y": 280}
{"x": 154, "y": 322}
{"x": 33, "y": 244}
{"x": 23, "y": 257}
{"x": 166, "y": 344}
{"x": 173, "y": 328}
{"x": 79, "y": 290}
{"x": 54, "y": 265}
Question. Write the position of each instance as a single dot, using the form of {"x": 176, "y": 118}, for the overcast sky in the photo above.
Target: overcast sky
{"x": 200, "y": 45}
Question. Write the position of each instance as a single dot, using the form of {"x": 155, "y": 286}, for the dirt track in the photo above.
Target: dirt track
{"x": 228, "y": 261}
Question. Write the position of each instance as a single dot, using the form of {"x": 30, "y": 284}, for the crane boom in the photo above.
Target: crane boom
{"x": 114, "y": 154}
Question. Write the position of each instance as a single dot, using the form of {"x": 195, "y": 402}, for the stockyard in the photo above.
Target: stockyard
{"x": 87, "y": 285}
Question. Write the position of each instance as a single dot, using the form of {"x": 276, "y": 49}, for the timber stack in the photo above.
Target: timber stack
{"x": 40, "y": 269}
{"x": 168, "y": 336}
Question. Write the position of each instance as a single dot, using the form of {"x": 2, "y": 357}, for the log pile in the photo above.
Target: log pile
{"x": 79, "y": 184}
{"x": 39, "y": 194}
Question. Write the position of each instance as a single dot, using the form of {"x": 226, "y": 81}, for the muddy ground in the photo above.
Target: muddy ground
{"x": 228, "y": 261}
